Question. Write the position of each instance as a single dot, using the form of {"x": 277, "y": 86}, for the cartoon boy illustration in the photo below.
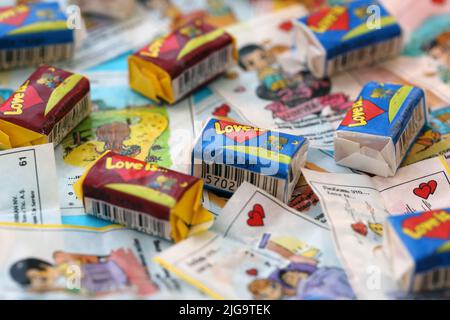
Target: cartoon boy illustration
{"x": 255, "y": 58}
{"x": 303, "y": 281}
{"x": 100, "y": 275}
{"x": 275, "y": 84}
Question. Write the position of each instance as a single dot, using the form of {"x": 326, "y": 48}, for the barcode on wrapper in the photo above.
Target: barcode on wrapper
{"x": 33, "y": 56}
{"x": 132, "y": 219}
{"x": 365, "y": 55}
{"x": 202, "y": 71}
{"x": 228, "y": 178}
{"x": 415, "y": 124}
{"x": 433, "y": 280}
{"x": 63, "y": 127}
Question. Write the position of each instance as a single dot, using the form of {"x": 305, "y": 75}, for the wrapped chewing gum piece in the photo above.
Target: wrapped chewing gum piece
{"x": 345, "y": 36}
{"x": 418, "y": 248}
{"x": 45, "y": 108}
{"x": 33, "y": 34}
{"x": 380, "y": 127}
{"x": 143, "y": 196}
{"x": 228, "y": 153}
{"x": 175, "y": 64}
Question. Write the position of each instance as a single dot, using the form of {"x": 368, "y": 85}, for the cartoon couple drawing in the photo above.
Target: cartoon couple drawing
{"x": 294, "y": 95}
{"x": 99, "y": 275}
{"x": 302, "y": 278}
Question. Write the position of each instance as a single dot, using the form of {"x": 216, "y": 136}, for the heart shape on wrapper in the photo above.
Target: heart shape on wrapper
{"x": 256, "y": 216}
{"x": 252, "y": 272}
{"x": 360, "y": 227}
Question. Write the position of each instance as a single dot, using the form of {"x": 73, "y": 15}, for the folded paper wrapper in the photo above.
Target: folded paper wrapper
{"x": 377, "y": 131}
{"x": 368, "y": 153}
{"x": 312, "y": 53}
{"x": 187, "y": 215}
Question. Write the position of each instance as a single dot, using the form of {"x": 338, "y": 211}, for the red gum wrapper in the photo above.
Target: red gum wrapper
{"x": 45, "y": 108}
{"x": 174, "y": 65}
{"x": 144, "y": 196}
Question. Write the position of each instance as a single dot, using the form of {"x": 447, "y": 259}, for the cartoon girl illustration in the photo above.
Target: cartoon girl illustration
{"x": 302, "y": 281}
{"x": 100, "y": 275}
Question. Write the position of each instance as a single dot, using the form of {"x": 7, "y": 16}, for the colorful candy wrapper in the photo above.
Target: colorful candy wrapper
{"x": 174, "y": 65}
{"x": 45, "y": 108}
{"x": 380, "y": 127}
{"x": 34, "y": 34}
{"x": 346, "y": 36}
{"x": 228, "y": 153}
{"x": 143, "y": 196}
{"x": 418, "y": 248}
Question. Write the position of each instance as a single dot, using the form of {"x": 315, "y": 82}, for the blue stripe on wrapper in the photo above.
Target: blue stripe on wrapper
{"x": 426, "y": 238}
{"x": 225, "y": 146}
{"x": 386, "y": 110}
{"x": 26, "y": 26}
{"x": 343, "y": 28}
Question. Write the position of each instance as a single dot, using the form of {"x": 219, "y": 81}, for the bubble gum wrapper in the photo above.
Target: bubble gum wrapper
{"x": 228, "y": 153}
{"x": 143, "y": 196}
{"x": 345, "y": 36}
{"x": 34, "y": 34}
{"x": 380, "y": 127}
{"x": 175, "y": 64}
{"x": 418, "y": 248}
{"x": 45, "y": 108}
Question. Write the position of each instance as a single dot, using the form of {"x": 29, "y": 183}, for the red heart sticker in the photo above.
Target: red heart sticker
{"x": 360, "y": 228}
{"x": 222, "y": 110}
{"x": 252, "y": 272}
{"x": 256, "y": 216}
{"x": 431, "y": 224}
{"x": 286, "y": 26}
{"x": 425, "y": 189}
